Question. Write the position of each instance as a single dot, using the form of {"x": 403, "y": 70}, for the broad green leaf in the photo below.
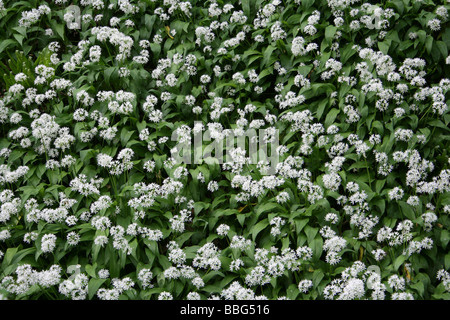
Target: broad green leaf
{"x": 267, "y": 55}
{"x": 331, "y": 117}
{"x": 330, "y": 31}
{"x": 258, "y": 228}
{"x": 6, "y": 43}
{"x": 94, "y": 285}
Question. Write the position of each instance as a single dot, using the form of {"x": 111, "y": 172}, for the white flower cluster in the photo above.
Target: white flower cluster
{"x": 76, "y": 288}
{"x": 119, "y": 166}
{"x": 119, "y": 286}
{"x": 355, "y": 283}
{"x": 32, "y": 16}
{"x": 271, "y": 265}
{"x": 27, "y": 277}
{"x": 10, "y": 206}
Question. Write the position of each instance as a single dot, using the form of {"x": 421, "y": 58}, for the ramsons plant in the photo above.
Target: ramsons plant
{"x": 350, "y": 97}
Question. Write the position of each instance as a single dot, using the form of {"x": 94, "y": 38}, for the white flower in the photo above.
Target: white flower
{"x": 165, "y": 296}
{"x": 434, "y": 24}
{"x": 396, "y": 193}
{"x": 213, "y": 186}
{"x": 223, "y": 229}
{"x": 305, "y": 285}
{"x": 48, "y": 243}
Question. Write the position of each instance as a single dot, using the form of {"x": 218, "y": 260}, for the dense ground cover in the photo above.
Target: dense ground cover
{"x": 94, "y": 203}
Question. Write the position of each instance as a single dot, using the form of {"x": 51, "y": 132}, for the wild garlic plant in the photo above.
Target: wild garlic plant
{"x": 105, "y": 192}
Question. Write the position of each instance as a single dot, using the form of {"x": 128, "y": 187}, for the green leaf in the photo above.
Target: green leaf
{"x": 6, "y": 43}
{"x": 445, "y": 238}
{"x": 318, "y": 275}
{"x": 58, "y": 27}
{"x": 347, "y": 52}
{"x": 19, "y": 38}
{"x": 135, "y": 178}
{"x": 307, "y": 3}
{"x": 419, "y": 287}
{"x": 15, "y": 154}
{"x": 331, "y": 116}
{"x": 22, "y": 254}
{"x": 93, "y": 286}
{"x": 399, "y": 261}
{"x": 90, "y": 270}
{"x": 429, "y": 44}
{"x": 442, "y": 47}
{"x": 258, "y": 228}
{"x": 9, "y": 254}
{"x": 300, "y": 224}
{"x": 316, "y": 246}
{"x": 292, "y": 292}
{"x": 447, "y": 261}
{"x": 156, "y": 49}
{"x": 384, "y": 47}
{"x": 108, "y": 74}
{"x": 330, "y": 31}
{"x": 125, "y": 136}
{"x": 86, "y": 155}
{"x": 439, "y": 124}
{"x": 267, "y": 61}
{"x": 379, "y": 185}
{"x": 149, "y": 21}
{"x": 241, "y": 219}
{"x": 249, "y": 8}
{"x": 378, "y": 126}
{"x": 321, "y": 108}
{"x": 310, "y": 233}
{"x": 269, "y": 206}
{"x": 407, "y": 210}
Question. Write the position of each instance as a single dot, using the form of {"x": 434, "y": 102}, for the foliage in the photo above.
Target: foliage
{"x": 93, "y": 205}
